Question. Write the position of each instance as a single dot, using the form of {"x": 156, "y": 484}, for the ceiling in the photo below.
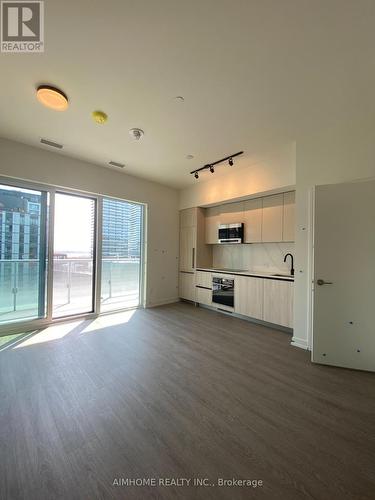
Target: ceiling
{"x": 253, "y": 73}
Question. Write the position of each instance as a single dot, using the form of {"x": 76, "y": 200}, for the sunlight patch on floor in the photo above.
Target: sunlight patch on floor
{"x": 54, "y": 332}
{"x": 81, "y": 327}
{"x": 109, "y": 320}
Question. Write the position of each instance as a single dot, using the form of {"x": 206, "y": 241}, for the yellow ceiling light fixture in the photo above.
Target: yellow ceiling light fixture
{"x": 52, "y": 97}
{"x": 99, "y": 117}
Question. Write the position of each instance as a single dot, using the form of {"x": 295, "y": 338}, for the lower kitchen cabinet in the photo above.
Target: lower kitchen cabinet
{"x": 203, "y": 296}
{"x": 278, "y": 302}
{"x": 204, "y": 279}
{"x": 248, "y": 296}
{"x": 187, "y": 285}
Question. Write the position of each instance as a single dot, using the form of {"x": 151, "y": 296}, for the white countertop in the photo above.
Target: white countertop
{"x": 247, "y": 272}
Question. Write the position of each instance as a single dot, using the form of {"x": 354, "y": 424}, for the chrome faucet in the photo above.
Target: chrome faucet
{"x": 292, "y": 259}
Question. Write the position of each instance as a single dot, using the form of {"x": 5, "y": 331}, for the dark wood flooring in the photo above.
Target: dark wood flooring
{"x": 181, "y": 392}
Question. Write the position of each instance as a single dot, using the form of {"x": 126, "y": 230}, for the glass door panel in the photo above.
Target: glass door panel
{"x": 23, "y": 247}
{"x": 121, "y": 254}
{"x": 74, "y": 255}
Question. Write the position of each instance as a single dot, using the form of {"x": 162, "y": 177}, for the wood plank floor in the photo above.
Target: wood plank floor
{"x": 180, "y": 392}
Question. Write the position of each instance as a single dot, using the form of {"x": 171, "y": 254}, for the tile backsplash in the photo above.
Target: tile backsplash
{"x": 261, "y": 257}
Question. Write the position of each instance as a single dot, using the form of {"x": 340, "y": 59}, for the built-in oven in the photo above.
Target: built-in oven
{"x": 231, "y": 233}
{"x": 223, "y": 291}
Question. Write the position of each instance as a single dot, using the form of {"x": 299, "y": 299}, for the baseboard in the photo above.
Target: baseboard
{"x": 301, "y": 343}
{"x": 163, "y": 302}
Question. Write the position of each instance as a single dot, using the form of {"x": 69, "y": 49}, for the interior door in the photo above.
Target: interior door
{"x": 344, "y": 275}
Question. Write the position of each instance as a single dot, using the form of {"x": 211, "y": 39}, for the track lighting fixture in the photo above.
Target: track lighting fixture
{"x": 210, "y": 166}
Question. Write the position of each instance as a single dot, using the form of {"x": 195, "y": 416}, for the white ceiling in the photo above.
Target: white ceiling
{"x": 253, "y": 73}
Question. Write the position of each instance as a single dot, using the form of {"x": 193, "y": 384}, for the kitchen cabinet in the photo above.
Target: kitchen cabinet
{"x": 272, "y": 218}
{"x": 252, "y": 218}
{"x": 188, "y": 217}
{"x": 231, "y": 213}
{"x": 289, "y": 216}
{"x": 203, "y": 296}
{"x": 204, "y": 279}
{"x": 187, "y": 285}
{"x": 193, "y": 250}
{"x": 187, "y": 248}
{"x": 248, "y": 296}
{"x": 203, "y": 290}
{"x": 212, "y": 224}
{"x": 278, "y": 302}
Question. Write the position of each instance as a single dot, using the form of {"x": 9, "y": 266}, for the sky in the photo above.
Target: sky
{"x": 74, "y": 219}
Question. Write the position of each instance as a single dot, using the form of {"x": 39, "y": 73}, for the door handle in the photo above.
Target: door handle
{"x": 193, "y": 259}
{"x": 322, "y": 282}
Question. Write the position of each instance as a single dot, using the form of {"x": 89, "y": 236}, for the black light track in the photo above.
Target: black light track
{"x": 210, "y": 165}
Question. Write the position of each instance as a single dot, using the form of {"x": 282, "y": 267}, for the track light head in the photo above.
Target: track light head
{"x": 212, "y": 170}
{"x": 196, "y": 175}
{"x": 230, "y": 161}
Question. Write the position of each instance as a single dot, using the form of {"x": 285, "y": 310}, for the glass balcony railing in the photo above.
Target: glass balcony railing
{"x": 19, "y": 289}
{"x": 73, "y": 284}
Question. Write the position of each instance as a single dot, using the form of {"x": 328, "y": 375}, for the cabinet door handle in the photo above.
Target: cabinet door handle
{"x": 193, "y": 259}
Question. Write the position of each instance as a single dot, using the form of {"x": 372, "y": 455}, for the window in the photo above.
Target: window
{"x": 22, "y": 254}
{"x": 42, "y": 278}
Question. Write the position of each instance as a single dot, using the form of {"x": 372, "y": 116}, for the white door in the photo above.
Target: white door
{"x": 344, "y": 275}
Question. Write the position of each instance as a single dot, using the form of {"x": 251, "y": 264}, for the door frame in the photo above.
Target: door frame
{"x": 96, "y": 255}
{"x": 310, "y": 268}
{"x": 39, "y": 323}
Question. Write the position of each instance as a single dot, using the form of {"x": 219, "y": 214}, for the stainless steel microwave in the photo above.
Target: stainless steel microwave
{"x": 231, "y": 233}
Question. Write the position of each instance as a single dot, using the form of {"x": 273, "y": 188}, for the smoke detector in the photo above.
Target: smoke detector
{"x": 136, "y": 133}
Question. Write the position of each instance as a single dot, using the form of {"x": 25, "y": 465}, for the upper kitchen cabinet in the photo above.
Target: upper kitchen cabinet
{"x": 252, "y": 218}
{"x": 188, "y": 217}
{"x": 212, "y": 224}
{"x": 231, "y": 213}
{"x": 289, "y": 216}
{"x": 272, "y": 218}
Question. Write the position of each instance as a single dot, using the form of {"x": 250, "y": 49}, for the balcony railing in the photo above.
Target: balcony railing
{"x": 72, "y": 285}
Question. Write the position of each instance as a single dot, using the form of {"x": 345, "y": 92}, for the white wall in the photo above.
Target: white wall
{"x": 340, "y": 153}
{"x": 268, "y": 172}
{"x": 34, "y": 164}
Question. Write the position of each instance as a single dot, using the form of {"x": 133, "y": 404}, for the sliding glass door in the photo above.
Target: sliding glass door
{"x": 73, "y": 255}
{"x": 121, "y": 254}
{"x": 23, "y": 244}
{"x": 64, "y": 254}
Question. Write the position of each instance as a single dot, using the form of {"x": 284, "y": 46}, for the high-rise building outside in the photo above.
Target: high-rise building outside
{"x": 19, "y": 225}
{"x": 121, "y": 229}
